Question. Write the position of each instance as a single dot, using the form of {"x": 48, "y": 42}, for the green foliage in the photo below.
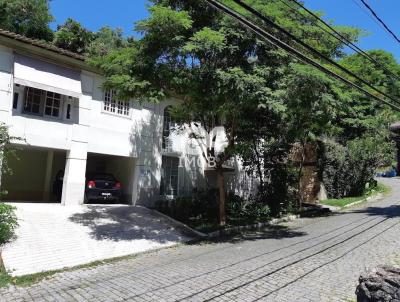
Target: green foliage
{"x": 7, "y": 150}
{"x": 73, "y": 36}
{"x": 251, "y": 209}
{"x": 346, "y": 170}
{"x": 8, "y": 222}
{"x": 200, "y": 205}
{"x": 371, "y": 191}
{"x": 360, "y": 114}
{"x": 105, "y": 41}
{"x": 265, "y": 100}
{"x": 29, "y": 18}
{"x": 313, "y": 103}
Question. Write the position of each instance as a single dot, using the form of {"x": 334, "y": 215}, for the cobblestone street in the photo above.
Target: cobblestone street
{"x": 316, "y": 259}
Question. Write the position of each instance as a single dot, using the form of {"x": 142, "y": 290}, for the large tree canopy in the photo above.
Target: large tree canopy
{"x": 219, "y": 68}
{"x": 73, "y": 36}
{"x": 30, "y": 18}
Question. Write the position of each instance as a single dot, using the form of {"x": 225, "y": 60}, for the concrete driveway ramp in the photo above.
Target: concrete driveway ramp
{"x": 52, "y": 236}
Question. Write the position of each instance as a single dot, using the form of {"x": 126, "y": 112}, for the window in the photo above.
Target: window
{"x": 33, "y": 100}
{"x": 41, "y": 102}
{"x": 68, "y": 114}
{"x": 15, "y": 100}
{"x": 169, "y": 176}
{"x": 52, "y": 104}
{"x": 168, "y": 126}
{"x": 114, "y": 106}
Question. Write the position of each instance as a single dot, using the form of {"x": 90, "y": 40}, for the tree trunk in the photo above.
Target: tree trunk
{"x": 222, "y": 197}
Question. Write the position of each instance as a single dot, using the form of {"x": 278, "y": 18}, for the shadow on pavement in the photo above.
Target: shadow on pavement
{"x": 120, "y": 223}
{"x": 391, "y": 211}
{"x": 272, "y": 232}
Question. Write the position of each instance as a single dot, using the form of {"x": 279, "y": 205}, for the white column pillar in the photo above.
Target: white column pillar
{"x": 75, "y": 167}
{"x": 6, "y": 84}
{"x": 47, "y": 179}
{"x": 135, "y": 182}
{"x": 74, "y": 177}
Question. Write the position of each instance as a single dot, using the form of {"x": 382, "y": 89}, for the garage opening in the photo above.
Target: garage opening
{"x": 33, "y": 174}
{"x": 122, "y": 168}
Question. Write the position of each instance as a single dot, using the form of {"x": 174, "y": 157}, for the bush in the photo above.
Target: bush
{"x": 250, "y": 209}
{"x": 8, "y": 222}
{"x": 346, "y": 170}
{"x": 202, "y": 205}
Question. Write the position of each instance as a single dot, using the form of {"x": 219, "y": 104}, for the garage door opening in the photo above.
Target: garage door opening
{"x": 122, "y": 168}
{"x": 33, "y": 172}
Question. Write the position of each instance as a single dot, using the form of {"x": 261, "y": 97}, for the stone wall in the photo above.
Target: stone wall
{"x": 309, "y": 182}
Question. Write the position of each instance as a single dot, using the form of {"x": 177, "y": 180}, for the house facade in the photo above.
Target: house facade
{"x": 53, "y": 102}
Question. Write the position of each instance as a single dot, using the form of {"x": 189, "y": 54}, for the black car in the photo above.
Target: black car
{"x": 102, "y": 186}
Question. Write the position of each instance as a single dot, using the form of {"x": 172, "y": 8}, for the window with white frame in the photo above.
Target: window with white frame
{"x": 44, "y": 103}
{"x": 114, "y": 106}
{"x": 169, "y": 176}
{"x": 33, "y": 100}
{"x": 52, "y": 104}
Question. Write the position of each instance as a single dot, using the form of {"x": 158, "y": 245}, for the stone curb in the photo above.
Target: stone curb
{"x": 254, "y": 226}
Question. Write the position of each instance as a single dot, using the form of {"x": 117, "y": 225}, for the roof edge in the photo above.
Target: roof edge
{"x": 41, "y": 44}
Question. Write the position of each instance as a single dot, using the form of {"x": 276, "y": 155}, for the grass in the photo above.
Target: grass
{"x": 380, "y": 188}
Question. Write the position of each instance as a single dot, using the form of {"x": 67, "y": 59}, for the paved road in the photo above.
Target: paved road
{"x": 313, "y": 260}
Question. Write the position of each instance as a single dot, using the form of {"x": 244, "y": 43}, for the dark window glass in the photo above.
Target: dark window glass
{"x": 32, "y": 100}
{"x": 168, "y": 126}
{"x": 15, "y": 101}
{"x": 68, "y": 111}
{"x": 52, "y": 106}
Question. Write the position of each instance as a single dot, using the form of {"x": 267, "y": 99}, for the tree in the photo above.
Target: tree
{"x": 214, "y": 65}
{"x": 73, "y": 36}
{"x": 29, "y": 18}
{"x": 360, "y": 113}
{"x": 105, "y": 41}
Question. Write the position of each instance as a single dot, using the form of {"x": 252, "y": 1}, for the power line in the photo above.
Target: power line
{"x": 311, "y": 49}
{"x": 380, "y": 20}
{"x": 366, "y": 12}
{"x": 292, "y": 51}
{"x": 339, "y": 36}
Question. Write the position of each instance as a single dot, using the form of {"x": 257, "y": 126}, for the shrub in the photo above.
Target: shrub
{"x": 8, "y": 222}
{"x": 250, "y": 209}
{"x": 201, "y": 205}
{"x": 346, "y": 170}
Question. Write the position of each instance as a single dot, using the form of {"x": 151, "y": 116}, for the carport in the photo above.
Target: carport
{"x": 121, "y": 167}
{"x": 33, "y": 173}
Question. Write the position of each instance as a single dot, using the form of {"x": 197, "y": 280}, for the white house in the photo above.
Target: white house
{"x": 54, "y": 102}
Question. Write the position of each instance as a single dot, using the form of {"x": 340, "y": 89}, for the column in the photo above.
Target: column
{"x": 75, "y": 166}
{"x": 6, "y": 84}
{"x": 74, "y": 175}
{"x": 47, "y": 179}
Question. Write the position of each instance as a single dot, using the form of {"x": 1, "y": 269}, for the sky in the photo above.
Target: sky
{"x": 94, "y": 14}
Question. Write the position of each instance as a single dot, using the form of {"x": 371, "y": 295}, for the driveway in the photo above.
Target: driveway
{"x": 52, "y": 236}
{"x": 313, "y": 259}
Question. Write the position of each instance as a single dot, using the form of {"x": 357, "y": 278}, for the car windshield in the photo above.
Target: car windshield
{"x": 100, "y": 176}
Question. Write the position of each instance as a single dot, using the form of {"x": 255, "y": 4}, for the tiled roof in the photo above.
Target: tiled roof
{"x": 41, "y": 44}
